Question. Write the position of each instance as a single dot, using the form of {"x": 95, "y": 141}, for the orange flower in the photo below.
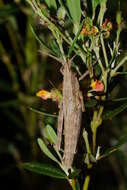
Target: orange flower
{"x": 97, "y": 86}
{"x": 84, "y": 31}
{"x": 94, "y": 30}
{"x": 89, "y": 31}
{"x": 44, "y": 94}
{"x": 107, "y": 25}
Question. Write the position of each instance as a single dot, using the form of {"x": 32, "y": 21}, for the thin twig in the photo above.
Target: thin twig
{"x": 84, "y": 75}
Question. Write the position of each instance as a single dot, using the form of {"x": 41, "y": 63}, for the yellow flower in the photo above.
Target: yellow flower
{"x": 93, "y": 85}
{"x": 44, "y": 94}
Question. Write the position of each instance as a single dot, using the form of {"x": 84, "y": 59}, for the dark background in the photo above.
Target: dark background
{"x": 23, "y": 71}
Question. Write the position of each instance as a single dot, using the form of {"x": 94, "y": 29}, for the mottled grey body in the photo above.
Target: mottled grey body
{"x": 70, "y": 115}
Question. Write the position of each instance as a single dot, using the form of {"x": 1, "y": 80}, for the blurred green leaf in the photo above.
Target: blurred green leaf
{"x": 112, "y": 113}
{"x": 7, "y": 10}
{"x": 118, "y": 17}
{"x": 122, "y": 73}
{"x": 119, "y": 99}
{"x": 109, "y": 151}
{"x": 51, "y": 134}
{"x": 102, "y": 11}
{"x": 77, "y": 185}
{"x": 61, "y": 13}
{"x": 5, "y": 86}
{"x": 9, "y": 103}
{"x": 45, "y": 169}
{"x": 51, "y": 4}
{"x": 43, "y": 44}
{"x": 13, "y": 117}
{"x": 112, "y": 103}
{"x": 75, "y": 173}
{"x": 95, "y": 3}
{"x": 42, "y": 112}
{"x": 74, "y": 8}
{"x": 54, "y": 48}
{"x": 90, "y": 103}
{"x": 64, "y": 6}
{"x": 46, "y": 150}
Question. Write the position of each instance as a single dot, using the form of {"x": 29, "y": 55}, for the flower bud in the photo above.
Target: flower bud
{"x": 97, "y": 86}
{"x": 44, "y": 94}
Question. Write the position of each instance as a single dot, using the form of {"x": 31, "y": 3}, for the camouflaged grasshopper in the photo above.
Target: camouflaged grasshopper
{"x": 71, "y": 107}
{"x": 70, "y": 115}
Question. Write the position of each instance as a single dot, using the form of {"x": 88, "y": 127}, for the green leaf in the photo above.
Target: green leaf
{"x": 75, "y": 173}
{"x": 7, "y": 10}
{"x": 13, "y": 117}
{"x": 9, "y": 103}
{"x": 118, "y": 18}
{"x": 46, "y": 150}
{"x": 51, "y": 134}
{"x": 90, "y": 103}
{"x": 64, "y": 6}
{"x": 42, "y": 113}
{"x": 40, "y": 41}
{"x": 77, "y": 185}
{"x": 119, "y": 99}
{"x": 109, "y": 151}
{"x": 75, "y": 39}
{"x": 112, "y": 113}
{"x": 74, "y": 8}
{"x": 61, "y": 13}
{"x": 5, "y": 86}
{"x": 45, "y": 169}
{"x": 51, "y": 4}
{"x": 122, "y": 73}
{"x": 112, "y": 103}
{"x": 54, "y": 48}
{"x": 95, "y": 3}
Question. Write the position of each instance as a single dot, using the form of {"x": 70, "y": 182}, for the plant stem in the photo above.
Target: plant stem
{"x": 86, "y": 182}
{"x": 85, "y": 136}
{"x": 99, "y": 61}
{"x": 72, "y": 182}
{"x": 54, "y": 28}
{"x": 104, "y": 50}
{"x": 120, "y": 64}
{"x": 94, "y": 140}
{"x": 96, "y": 122}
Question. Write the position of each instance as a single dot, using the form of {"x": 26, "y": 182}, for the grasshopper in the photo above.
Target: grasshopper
{"x": 70, "y": 115}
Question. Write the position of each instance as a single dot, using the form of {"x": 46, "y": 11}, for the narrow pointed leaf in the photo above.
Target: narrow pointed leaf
{"x": 51, "y": 134}
{"x": 64, "y": 6}
{"x": 95, "y": 3}
{"x": 42, "y": 112}
{"x": 75, "y": 39}
{"x": 9, "y": 103}
{"x": 112, "y": 113}
{"x": 7, "y": 10}
{"x": 119, "y": 99}
{"x": 51, "y": 4}
{"x": 46, "y": 151}
{"x": 45, "y": 169}
{"x": 74, "y": 8}
{"x": 109, "y": 151}
{"x": 40, "y": 41}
